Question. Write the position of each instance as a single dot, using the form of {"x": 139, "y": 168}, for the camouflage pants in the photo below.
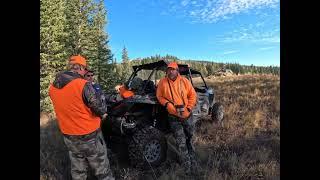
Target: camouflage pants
{"x": 88, "y": 150}
{"x": 183, "y": 133}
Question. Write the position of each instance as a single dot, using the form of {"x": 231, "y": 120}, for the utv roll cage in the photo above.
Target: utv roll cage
{"x": 161, "y": 65}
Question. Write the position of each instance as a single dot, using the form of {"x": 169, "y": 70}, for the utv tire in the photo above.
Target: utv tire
{"x": 217, "y": 112}
{"x": 147, "y": 146}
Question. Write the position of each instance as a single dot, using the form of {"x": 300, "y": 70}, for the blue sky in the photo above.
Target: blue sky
{"x": 242, "y": 31}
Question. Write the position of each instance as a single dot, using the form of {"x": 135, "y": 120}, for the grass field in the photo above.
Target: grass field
{"x": 245, "y": 146}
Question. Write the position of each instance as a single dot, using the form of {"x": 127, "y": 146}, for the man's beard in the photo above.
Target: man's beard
{"x": 172, "y": 76}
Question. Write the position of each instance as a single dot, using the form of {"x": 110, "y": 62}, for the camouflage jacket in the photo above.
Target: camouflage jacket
{"x": 100, "y": 94}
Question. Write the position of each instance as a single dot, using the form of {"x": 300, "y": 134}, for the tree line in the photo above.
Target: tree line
{"x": 206, "y": 67}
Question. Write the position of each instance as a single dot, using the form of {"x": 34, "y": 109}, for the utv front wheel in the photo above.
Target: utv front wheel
{"x": 147, "y": 146}
{"x": 217, "y": 112}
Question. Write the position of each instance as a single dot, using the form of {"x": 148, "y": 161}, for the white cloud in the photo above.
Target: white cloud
{"x": 229, "y": 52}
{"x": 192, "y": 13}
{"x": 210, "y": 11}
{"x": 260, "y": 24}
{"x": 259, "y": 32}
{"x": 184, "y": 2}
{"x": 253, "y": 37}
{"x": 224, "y": 9}
{"x": 274, "y": 39}
{"x": 266, "y": 48}
{"x": 265, "y": 29}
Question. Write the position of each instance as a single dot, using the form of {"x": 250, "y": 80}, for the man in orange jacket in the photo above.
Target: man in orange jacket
{"x": 79, "y": 114}
{"x": 177, "y": 94}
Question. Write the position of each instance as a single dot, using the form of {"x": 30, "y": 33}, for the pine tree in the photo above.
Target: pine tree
{"x": 104, "y": 60}
{"x": 210, "y": 69}
{"x": 203, "y": 70}
{"x": 126, "y": 67}
{"x": 91, "y": 43}
{"x": 52, "y": 54}
{"x": 86, "y": 21}
{"x": 74, "y": 27}
{"x": 80, "y": 29}
{"x": 70, "y": 27}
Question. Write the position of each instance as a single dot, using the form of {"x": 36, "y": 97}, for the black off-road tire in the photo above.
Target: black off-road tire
{"x": 217, "y": 112}
{"x": 147, "y": 144}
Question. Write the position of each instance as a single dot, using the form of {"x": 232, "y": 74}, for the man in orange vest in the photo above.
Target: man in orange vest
{"x": 79, "y": 115}
{"x": 177, "y": 94}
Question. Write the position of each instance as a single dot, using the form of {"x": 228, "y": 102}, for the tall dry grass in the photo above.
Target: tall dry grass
{"x": 245, "y": 146}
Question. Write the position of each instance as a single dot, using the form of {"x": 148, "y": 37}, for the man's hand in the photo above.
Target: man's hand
{"x": 186, "y": 113}
{"x": 104, "y": 116}
{"x": 171, "y": 109}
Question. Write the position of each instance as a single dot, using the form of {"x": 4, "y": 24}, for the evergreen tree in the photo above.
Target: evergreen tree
{"x": 74, "y": 27}
{"x": 209, "y": 69}
{"x": 52, "y": 53}
{"x": 104, "y": 64}
{"x": 82, "y": 27}
{"x": 126, "y": 67}
{"x": 70, "y": 27}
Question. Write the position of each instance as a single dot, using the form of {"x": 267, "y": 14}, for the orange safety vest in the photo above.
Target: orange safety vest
{"x": 182, "y": 90}
{"x": 73, "y": 116}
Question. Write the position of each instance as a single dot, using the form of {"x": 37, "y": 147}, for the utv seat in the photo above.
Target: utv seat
{"x": 149, "y": 87}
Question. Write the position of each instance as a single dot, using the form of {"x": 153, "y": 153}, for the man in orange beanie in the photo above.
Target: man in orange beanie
{"x": 177, "y": 94}
{"x": 79, "y": 114}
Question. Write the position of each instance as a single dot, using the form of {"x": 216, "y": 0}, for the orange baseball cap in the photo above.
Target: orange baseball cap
{"x": 78, "y": 60}
{"x": 173, "y": 65}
